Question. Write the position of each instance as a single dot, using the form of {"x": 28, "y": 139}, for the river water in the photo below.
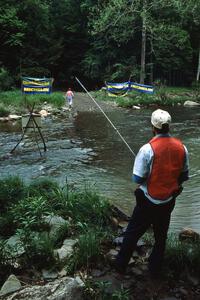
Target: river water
{"x": 84, "y": 149}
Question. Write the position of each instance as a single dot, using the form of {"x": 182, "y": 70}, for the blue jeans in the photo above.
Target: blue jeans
{"x": 145, "y": 214}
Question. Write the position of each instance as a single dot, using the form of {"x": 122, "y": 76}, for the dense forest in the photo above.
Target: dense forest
{"x": 97, "y": 40}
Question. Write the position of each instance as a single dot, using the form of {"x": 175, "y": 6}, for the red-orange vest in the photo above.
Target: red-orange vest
{"x": 167, "y": 166}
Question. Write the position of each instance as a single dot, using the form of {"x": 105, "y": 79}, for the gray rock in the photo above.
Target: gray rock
{"x": 69, "y": 242}
{"x": 54, "y": 221}
{"x": 14, "y": 117}
{"x": 60, "y": 289}
{"x": 11, "y": 285}
{"x": 66, "y": 250}
{"x": 15, "y": 245}
{"x": 136, "y": 107}
{"x": 191, "y": 103}
{"x": 118, "y": 240}
{"x": 112, "y": 253}
{"x": 49, "y": 274}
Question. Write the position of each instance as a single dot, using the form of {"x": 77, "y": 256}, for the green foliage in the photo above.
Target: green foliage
{"x": 122, "y": 294}
{"x": 182, "y": 255}
{"x": 100, "y": 290}
{"x": 61, "y": 234}
{"x": 29, "y": 213}
{"x": 23, "y": 102}
{"x": 6, "y": 81}
{"x": 196, "y": 90}
{"x": 44, "y": 38}
{"x": 7, "y": 226}
{"x": 38, "y": 248}
{"x": 88, "y": 206}
{"x": 6, "y": 261}
{"x": 56, "y": 99}
{"x": 82, "y": 206}
{"x": 88, "y": 250}
{"x": 161, "y": 92}
{"x": 44, "y": 187}
{"x": 12, "y": 189}
{"x": 4, "y": 112}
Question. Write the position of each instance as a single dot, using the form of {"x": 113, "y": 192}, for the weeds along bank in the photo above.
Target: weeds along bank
{"x": 15, "y": 102}
{"x": 163, "y": 96}
{"x": 25, "y": 209}
{"x": 30, "y": 243}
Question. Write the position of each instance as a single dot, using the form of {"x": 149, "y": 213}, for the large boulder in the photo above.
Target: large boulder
{"x": 62, "y": 289}
{"x": 12, "y": 284}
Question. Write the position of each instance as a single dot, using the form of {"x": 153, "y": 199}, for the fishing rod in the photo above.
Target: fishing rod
{"x": 106, "y": 116}
{"x": 193, "y": 175}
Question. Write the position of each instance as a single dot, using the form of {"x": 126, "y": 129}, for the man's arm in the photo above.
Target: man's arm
{"x": 138, "y": 179}
{"x": 185, "y": 173}
{"x": 142, "y": 163}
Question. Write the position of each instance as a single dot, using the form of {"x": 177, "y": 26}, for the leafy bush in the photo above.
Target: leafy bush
{"x": 101, "y": 290}
{"x": 61, "y": 233}
{"x": 29, "y": 212}
{"x": 5, "y": 261}
{"x": 12, "y": 189}
{"x": 4, "y": 112}
{"x": 88, "y": 250}
{"x": 38, "y": 248}
{"x": 44, "y": 187}
{"x": 196, "y": 89}
{"x": 7, "y": 226}
{"x": 182, "y": 255}
{"x": 83, "y": 206}
{"x": 6, "y": 81}
{"x": 89, "y": 207}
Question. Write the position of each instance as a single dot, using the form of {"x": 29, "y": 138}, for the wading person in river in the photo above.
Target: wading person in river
{"x": 69, "y": 97}
{"x": 160, "y": 167}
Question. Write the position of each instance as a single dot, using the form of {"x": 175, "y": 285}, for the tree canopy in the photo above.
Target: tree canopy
{"x": 141, "y": 40}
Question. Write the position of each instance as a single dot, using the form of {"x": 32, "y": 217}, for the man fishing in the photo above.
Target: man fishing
{"x": 160, "y": 168}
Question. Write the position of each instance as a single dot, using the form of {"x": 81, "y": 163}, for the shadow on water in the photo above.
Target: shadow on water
{"x": 84, "y": 148}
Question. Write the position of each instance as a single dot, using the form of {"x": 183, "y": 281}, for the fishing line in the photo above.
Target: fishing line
{"x": 106, "y": 116}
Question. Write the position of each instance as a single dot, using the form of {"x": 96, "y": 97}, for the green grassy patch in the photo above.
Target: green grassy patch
{"x": 15, "y": 100}
{"x": 163, "y": 95}
{"x": 23, "y": 211}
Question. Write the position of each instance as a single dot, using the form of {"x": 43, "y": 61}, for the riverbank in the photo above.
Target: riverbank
{"x": 162, "y": 96}
{"x": 52, "y": 234}
{"x": 180, "y": 278}
{"x": 14, "y": 102}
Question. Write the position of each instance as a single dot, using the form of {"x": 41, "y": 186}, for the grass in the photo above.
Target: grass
{"x": 88, "y": 251}
{"x": 4, "y": 112}
{"x": 15, "y": 100}
{"x": 167, "y": 96}
{"x": 12, "y": 189}
{"x": 182, "y": 255}
{"x": 87, "y": 218}
{"x": 23, "y": 208}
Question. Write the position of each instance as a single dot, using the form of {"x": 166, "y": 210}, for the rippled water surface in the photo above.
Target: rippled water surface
{"x": 83, "y": 147}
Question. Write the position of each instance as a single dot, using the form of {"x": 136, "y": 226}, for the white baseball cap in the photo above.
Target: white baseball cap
{"x": 160, "y": 117}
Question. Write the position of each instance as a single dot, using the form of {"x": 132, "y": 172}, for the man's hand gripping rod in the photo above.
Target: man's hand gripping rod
{"x": 105, "y": 116}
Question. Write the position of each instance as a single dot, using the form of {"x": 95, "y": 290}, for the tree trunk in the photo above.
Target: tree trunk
{"x": 198, "y": 69}
{"x": 143, "y": 46}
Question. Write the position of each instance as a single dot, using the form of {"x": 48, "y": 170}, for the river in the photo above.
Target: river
{"x": 84, "y": 149}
